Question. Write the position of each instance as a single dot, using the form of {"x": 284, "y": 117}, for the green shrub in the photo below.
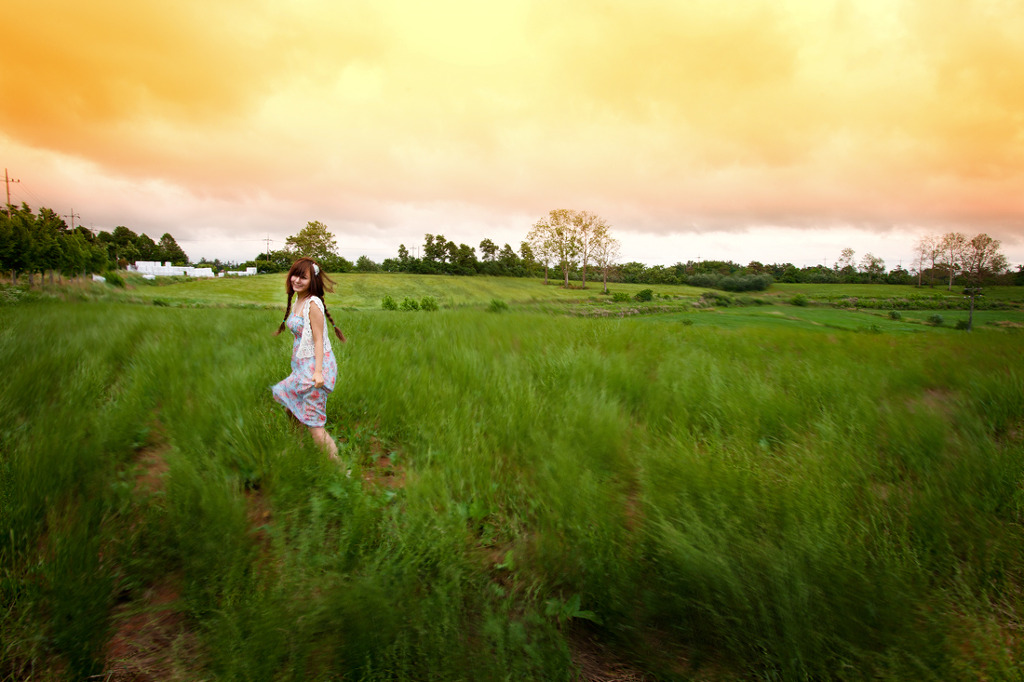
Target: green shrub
{"x": 409, "y": 303}
{"x": 114, "y": 279}
{"x": 704, "y": 279}
{"x": 644, "y": 295}
{"x": 935, "y": 320}
{"x": 428, "y": 303}
{"x": 388, "y": 303}
{"x": 744, "y": 283}
{"x": 962, "y": 325}
{"x": 497, "y": 306}
{"x": 895, "y": 315}
{"x": 735, "y": 283}
{"x": 799, "y": 300}
{"x": 620, "y": 297}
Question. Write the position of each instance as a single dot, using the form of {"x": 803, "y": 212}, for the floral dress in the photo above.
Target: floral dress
{"x": 297, "y": 392}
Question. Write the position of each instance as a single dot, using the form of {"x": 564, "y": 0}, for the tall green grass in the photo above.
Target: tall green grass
{"x": 767, "y": 502}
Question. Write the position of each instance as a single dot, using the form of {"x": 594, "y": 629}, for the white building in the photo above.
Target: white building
{"x": 152, "y": 267}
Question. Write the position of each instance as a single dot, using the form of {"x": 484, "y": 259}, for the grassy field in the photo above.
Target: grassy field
{"x": 732, "y": 492}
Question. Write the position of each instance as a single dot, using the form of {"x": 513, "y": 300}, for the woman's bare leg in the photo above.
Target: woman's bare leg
{"x": 324, "y": 440}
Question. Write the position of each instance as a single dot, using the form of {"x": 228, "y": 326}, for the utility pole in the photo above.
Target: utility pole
{"x": 7, "y": 183}
{"x": 72, "y": 216}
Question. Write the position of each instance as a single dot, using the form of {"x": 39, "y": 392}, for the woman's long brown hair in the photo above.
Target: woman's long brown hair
{"x": 318, "y": 285}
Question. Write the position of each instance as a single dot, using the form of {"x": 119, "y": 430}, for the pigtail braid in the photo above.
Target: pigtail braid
{"x": 337, "y": 332}
{"x": 287, "y": 310}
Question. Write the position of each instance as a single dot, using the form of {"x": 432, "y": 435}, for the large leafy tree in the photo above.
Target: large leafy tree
{"x": 435, "y": 248}
{"x": 16, "y": 241}
{"x": 951, "y": 249}
{"x": 569, "y": 238}
{"x": 314, "y": 241}
{"x": 926, "y": 251}
{"x": 49, "y": 232}
{"x": 463, "y": 259}
{"x": 147, "y": 248}
{"x": 488, "y": 250}
{"x": 590, "y": 231}
{"x": 606, "y": 255}
{"x": 872, "y": 266}
{"x": 540, "y": 242}
{"x": 168, "y": 251}
{"x": 981, "y": 258}
{"x": 527, "y": 256}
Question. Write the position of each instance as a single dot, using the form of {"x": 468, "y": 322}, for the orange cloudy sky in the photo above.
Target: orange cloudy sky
{"x": 761, "y": 129}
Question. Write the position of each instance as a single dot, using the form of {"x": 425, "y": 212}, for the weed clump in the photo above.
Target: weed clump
{"x": 935, "y": 320}
{"x": 644, "y": 295}
{"x": 497, "y": 306}
{"x": 716, "y": 299}
{"x": 388, "y": 303}
{"x": 114, "y": 279}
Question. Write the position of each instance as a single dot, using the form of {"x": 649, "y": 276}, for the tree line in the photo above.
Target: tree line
{"x": 38, "y": 243}
{"x": 580, "y": 247}
{"x": 439, "y": 256}
{"x": 576, "y": 244}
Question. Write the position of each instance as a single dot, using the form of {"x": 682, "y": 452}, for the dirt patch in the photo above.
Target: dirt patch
{"x": 596, "y": 663}
{"x": 152, "y": 641}
{"x": 151, "y": 461}
{"x": 259, "y": 515}
{"x": 152, "y": 465}
{"x": 384, "y": 474}
{"x": 933, "y": 400}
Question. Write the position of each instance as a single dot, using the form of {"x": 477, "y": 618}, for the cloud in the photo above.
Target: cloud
{"x": 671, "y": 118}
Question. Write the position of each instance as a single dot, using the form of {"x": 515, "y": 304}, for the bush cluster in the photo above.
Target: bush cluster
{"x": 644, "y": 295}
{"x": 919, "y": 302}
{"x": 712, "y": 280}
{"x": 428, "y": 303}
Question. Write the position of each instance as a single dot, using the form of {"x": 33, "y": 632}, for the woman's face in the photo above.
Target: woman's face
{"x": 300, "y": 282}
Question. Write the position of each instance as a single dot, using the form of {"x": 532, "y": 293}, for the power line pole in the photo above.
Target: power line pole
{"x": 72, "y": 216}
{"x": 7, "y": 182}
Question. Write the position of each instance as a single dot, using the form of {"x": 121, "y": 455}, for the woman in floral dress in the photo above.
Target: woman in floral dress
{"x": 314, "y": 369}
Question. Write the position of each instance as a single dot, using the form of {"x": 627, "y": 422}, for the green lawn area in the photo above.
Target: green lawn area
{"x": 672, "y": 304}
{"x": 365, "y": 291}
{"x": 825, "y": 318}
{"x": 827, "y": 291}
